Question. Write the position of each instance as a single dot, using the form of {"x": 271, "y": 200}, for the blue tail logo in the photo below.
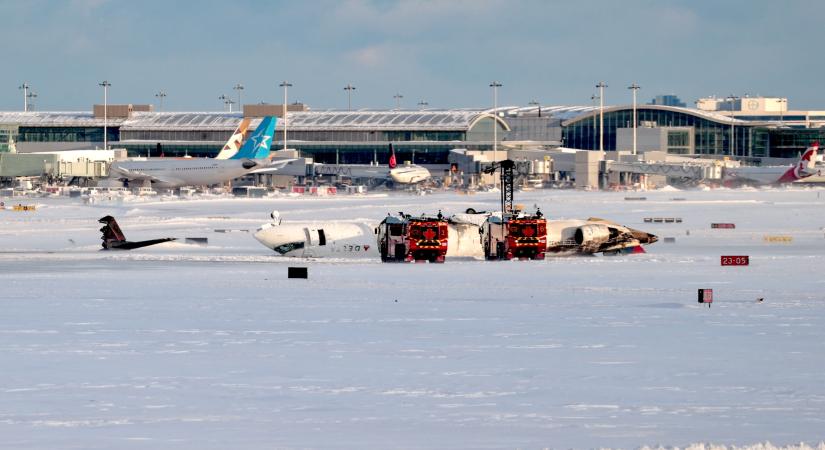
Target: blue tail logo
{"x": 257, "y": 146}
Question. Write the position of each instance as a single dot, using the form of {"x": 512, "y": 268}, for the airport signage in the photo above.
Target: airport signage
{"x": 723, "y": 225}
{"x": 706, "y": 296}
{"x": 778, "y": 239}
{"x": 742, "y": 260}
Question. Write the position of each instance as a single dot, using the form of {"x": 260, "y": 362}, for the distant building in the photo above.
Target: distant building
{"x": 667, "y": 100}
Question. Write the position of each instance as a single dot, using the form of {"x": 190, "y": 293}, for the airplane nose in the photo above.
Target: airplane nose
{"x": 248, "y": 164}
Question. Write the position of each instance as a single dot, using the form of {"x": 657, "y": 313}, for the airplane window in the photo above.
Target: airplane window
{"x": 286, "y": 248}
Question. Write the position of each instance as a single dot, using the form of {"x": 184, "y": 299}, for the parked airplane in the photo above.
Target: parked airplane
{"x": 404, "y": 174}
{"x": 177, "y": 172}
{"x": 804, "y": 168}
{"x": 114, "y": 239}
{"x": 358, "y": 239}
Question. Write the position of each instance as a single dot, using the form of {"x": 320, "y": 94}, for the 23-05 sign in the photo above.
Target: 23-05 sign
{"x": 742, "y": 260}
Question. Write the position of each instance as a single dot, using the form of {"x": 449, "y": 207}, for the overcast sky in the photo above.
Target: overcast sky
{"x": 443, "y": 52}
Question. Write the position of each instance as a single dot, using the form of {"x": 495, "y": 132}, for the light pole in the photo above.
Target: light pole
{"x": 105, "y": 84}
{"x": 227, "y": 101}
{"x": 495, "y": 85}
{"x": 285, "y": 84}
{"x": 782, "y": 105}
{"x": 239, "y": 87}
{"x": 161, "y": 95}
{"x": 732, "y": 99}
{"x": 31, "y": 95}
{"x": 634, "y": 87}
{"x": 535, "y": 103}
{"x": 601, "y": 87}
{"x": 422, "y": 104}
{"x": 349, "y": 88}
{"x": 25, "y": 87}
{"x": 593, "y": 104}
{"x": 397, "y": 98}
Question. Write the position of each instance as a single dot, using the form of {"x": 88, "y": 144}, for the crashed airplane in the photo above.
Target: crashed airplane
{"x": 360, "y": 239}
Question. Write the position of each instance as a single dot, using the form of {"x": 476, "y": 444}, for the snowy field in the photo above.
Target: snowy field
{"x": 186, "y": 347}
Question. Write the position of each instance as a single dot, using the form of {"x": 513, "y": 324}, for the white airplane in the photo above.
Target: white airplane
{"x": 178, "y": 172}
{"x": 313, "y": 239}
{"x": 404, "y": 175}
{"x": 358, "y": 239}
{"x": 804, "y": 168}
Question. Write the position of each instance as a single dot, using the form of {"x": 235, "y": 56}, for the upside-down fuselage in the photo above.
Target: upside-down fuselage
{"x": 358, "y": 239}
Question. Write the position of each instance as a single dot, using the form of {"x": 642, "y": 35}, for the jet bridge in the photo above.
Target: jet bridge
{"x": 694, "y": 171}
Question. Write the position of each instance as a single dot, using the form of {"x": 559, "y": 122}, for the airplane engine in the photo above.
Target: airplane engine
{"x": 591, "y": 236}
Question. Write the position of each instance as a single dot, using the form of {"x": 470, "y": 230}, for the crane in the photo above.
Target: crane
{"x": 507, "y": 181}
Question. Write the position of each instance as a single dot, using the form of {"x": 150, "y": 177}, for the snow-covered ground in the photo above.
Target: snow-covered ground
{"x": 187, "y": 347}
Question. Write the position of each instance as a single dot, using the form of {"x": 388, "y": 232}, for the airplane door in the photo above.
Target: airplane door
{"x": 316, "y": 242}
{"x": 309, "y": 251}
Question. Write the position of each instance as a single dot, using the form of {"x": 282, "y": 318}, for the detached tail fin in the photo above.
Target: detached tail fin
{"x": 111, "y": 231}
{"x": 392, "y": 162}
{"x": 257, "y": 146}
{"x": 234, "y": 143}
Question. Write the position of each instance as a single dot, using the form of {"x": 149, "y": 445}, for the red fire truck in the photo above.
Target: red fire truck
{"x": 514, "y": 236}
{"x": 407, "y": 238}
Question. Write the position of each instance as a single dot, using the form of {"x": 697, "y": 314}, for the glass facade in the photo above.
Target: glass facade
{"x": 176, "y": 135}
{"x": 332, "y": 153}
{"x": 544, "y": 129}
{"x": 711, "y": 137}
{"x": 357, "y": 153}
{"x": 678, "y": 142}
{"x": 66, "y": 134}
{"x": 172, "y": 150}
{"x": 792, "y": 142}
{"x": 8, "y": 135}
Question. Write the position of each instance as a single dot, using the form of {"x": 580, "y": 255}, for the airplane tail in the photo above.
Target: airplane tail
{"x": 257, "y": 146}
{"x": 234, "y": 143}
{"x": 111, "y": 231}
{"x": 805, "y": 167}
{"x": 392, "y": 162}
{"x": 113, "y": 237}
{"x": 810, "y": 154}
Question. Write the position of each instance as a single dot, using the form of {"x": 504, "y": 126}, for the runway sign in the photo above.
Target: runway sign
{"x": 706, "y": 296}
{"x": 663, "y": 219}
{"x": 202, "y": 241}
{"x": 723, "y": 225}
{"x": 778, "y": 239}
{"x": 742, "y": 260}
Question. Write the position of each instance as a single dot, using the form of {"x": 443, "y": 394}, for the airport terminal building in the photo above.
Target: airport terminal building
{"x": 746, "y": 128}
{"x": 345, "y": 137}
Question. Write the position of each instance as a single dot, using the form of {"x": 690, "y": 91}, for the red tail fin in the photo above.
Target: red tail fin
{"x": 392, "y": 157}
{"x": 811, "y": 151}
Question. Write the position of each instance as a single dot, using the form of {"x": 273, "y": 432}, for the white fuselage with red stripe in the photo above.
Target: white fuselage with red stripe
{"x": 776, "y": 174}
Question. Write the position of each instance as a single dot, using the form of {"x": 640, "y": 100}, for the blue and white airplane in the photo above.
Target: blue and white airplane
{"x": 178, "y": 172}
